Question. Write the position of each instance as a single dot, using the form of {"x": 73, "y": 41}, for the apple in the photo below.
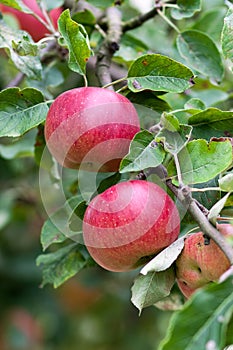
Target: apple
{"x": 90, "y": 128}
{"x": 225, "y": 229}
{"x": 200, "y": 263}
{"x": 29, "y": 23}
{"x": 128, "y": 224}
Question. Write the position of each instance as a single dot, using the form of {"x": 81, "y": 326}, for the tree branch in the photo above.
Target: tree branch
{"x": 185, "y": 197}
{"x": 109, "y": 46}
{"x": 196, "y": 210}
{"x": 139, "y": 20}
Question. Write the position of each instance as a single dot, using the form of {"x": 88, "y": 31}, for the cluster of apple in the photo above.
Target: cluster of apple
{"x": 91, "y": 128}
{"x": 28, "y": 22}
{"x": 128, "y": 224}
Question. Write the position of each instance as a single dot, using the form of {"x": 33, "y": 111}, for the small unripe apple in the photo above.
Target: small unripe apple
{"x": 129, "y": 223}
{"x": 199, "y": 263}
{"x": 90, "y": 128}
{"x": 29, "y": 23}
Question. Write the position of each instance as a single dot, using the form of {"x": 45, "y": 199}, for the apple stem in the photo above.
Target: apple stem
{"x": 178, "y": 169}
{"x": 170, "y": 23}
{"x": 115, "y": 82}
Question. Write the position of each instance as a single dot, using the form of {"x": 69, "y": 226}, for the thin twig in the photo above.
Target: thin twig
{"x": 139, "y": 20}
{"x": 16, "y": 81}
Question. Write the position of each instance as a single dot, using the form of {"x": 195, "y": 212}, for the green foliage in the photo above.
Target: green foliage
{"x": 158, "y": 73}
{"x": 199, "y": 325}
{"x": 179, "y": 76}
{"x": 76, "y": 39}
{"x": 186, "y": 8}
{"x": 144, "y": 153}
{"x": 201, "y": 160}
{"x": 63, "y": 264}
{"x": 21, "y": 110}
{"x": 227, "y": 34}
{"x": 21, "y": 49}
{"x": 148, "y": 290}
{"x": 192, "y": 46}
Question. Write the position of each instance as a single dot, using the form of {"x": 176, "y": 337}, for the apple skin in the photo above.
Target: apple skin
{"x": 90, "y": 128}
{"x": 128, "y": 224}
{"x": 29, "y": 23}
{"x": 199, "y": 264}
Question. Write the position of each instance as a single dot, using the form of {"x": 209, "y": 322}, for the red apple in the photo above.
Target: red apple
{"x": 129, "y": 223}
{"x": 29, "y": 23}
{"x": 199, "y": 263}
{"x": 225, "y": 229}
{"x": 90, "y": 128}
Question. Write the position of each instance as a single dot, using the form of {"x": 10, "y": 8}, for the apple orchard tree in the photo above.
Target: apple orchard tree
{"x": 133, "y": 136}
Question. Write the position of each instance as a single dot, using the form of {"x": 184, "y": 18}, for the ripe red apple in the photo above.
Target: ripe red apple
{"x": 129, "y": 223}
{"x": 200, "y": 263}
{"x": 90, "y": 128}
{"x": 29, "y": 23}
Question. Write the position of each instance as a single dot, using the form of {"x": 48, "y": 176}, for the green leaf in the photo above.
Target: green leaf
{"x": 56, "y": 228}
{"x": 21, "y": 49}
{"x": 186, "y": 8}
{"x": 211, "y": 120}
{"x": 85, "y": 17}
{"x": 107, "y": 182}
{"x": 158, "y": 73}
{"x": 207, "y": 197}
{"x": 76, "y": 39}
{"x": 226, "y": 183}
{"x": 211, "y": 22}
{"x": 203, "y": 321}
{"x": 25, "y": 47}
{"x": 192, "y": 46}
{"x": 23, "y": 147}
{"x": 148, "y": 290}
{"x": 226, "y": 36}
{"x": 144, "y": 153}
{"x": 217, "y": 208}
{"x": 201, "y": 161}
{"x": 173, "y": 302}
{"x": 59, "y": 266}
{"x": 17, "y": 4}
{"x": 195, "y": 104}
{"x": 51, "y": 77}
{"x": 150, "y": 100}
{"x": 165, "y": 259}
{"x": 21, "y": 110}
{"x": 130, "y": 48}
{"x": 50, "y": 232}
{"x": 169, "y": 122}
{"x": 174, "y": 140}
